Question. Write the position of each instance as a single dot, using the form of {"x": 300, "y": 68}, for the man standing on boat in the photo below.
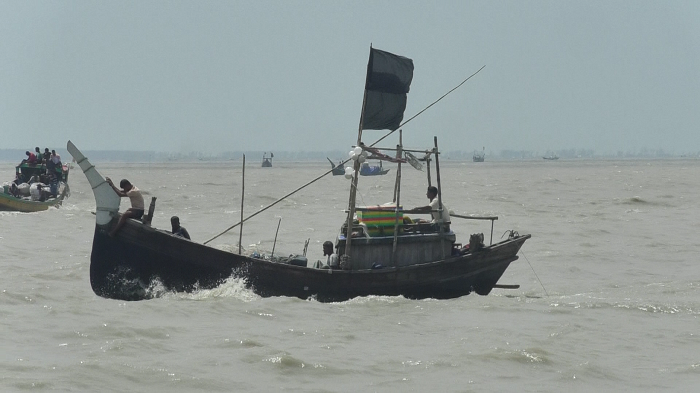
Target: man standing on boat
{"x": 432, "y": 208}
{"x": 134, "y": 194}
{"x": 39, "y": 156}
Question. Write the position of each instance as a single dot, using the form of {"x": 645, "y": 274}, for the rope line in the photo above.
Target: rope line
{"x": 533, "y": 270}
{"x": 344, "y": 162}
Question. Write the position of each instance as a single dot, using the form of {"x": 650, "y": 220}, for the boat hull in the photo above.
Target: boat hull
{"x": 377, "y": 173}
{"x": 124, "y": 267}
{"x": 10, "y": 203}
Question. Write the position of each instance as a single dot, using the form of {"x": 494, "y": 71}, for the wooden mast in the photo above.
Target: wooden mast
{"x": 353, "y": 186}
{"x": 427, "y": 163}
{"x": 441, "y": 227}
{"x": 397, "y": 198}
{"x": 398, "y": 172}
{"x": 240, "y": 234}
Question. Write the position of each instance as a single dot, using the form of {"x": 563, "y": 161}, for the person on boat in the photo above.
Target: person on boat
{"x": 53, "y": 183}
{"x": 37, "y": 192}
{"x": 50, "y": 166}
{"x": 31, "y": 158}
{"x": 177, "y": 229}
{"x": 55, "y": 158}
{"x": 55, "y": 162}
{"x": 19, "y": 178}
{"x": 14, "y": 190}
{"x": 14, "y": 185}
{"x": 39, "y": 156}
{"x": 331, "y": 261}
{"x": 432, "y": 208}
{"x": 47, "y": 155}
{"x": 134, "y": 195}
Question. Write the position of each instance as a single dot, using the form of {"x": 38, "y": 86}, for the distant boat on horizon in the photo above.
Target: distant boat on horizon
{"x": 337, "y": 169}
{"x": 267, "y": 161}
{"x": 479, "y": 157}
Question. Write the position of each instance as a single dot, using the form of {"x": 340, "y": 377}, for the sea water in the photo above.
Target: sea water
{"x": 609, "y": 295}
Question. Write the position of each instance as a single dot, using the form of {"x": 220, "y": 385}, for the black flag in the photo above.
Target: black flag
{"x": 388, "y": 80}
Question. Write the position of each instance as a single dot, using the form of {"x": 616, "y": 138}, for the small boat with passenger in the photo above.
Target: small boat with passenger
{"x": 35, "y": 188}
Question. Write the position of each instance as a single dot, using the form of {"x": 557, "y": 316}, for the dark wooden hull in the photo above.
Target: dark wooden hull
{"x": 122, "y": 267}
{"x": 381, "y": 172}
{"x": 338, "y": 170}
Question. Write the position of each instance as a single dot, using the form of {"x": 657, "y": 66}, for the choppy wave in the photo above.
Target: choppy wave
{"x": 233, "y": 287}
{"x": 610, "y": 302}
{"x": 619, "y": 312}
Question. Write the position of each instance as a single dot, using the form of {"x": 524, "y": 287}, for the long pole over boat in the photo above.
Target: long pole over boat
{"x": 441, "y": 227}
{"x": 398, "y": 171}
{"x": 240, "y": 235}
{"x": 275, "y": 242}
{"x": 427, "y": 162}
{"x": 397, "y": 199}
{"x": 344, "y": 162}
{"x": 353, "y": 186}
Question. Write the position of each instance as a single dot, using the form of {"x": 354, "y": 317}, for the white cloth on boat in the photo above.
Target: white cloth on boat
{"x": 23, "y": 189}
{"x": 331, "y": 262}
{"x": 436, "y": 215}
{"x": 35, "y": 191}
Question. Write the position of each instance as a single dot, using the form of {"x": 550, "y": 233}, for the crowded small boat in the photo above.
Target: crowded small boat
{"x": 41, "y": 181}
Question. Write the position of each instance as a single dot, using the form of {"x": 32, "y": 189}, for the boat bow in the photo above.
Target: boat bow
{"x": 106, "y": 200}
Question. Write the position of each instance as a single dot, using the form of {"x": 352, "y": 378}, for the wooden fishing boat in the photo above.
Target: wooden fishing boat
{"x": 479, "y": 157}
{"x": 267, "y": 161}
{"x": 381, "y": 253}
{"x": 365, "y": 170}
{"x": 337, "y": 170}
{"x": 9, "y": 202}
{"x": 373, "y": 170}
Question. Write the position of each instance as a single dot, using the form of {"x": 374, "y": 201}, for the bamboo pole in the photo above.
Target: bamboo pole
{"x": 493, "y": 218}
{"x": 275, "y": 242}
{"x": 240, "y": 234}
{"x": 353, "y": 187}
{"x": 397, "y": 199}
{"x": 398, "y": 172}
{"x": 403, "y": 150}
{"x": 439, "y": 196}
{"x": 427, "y": 162}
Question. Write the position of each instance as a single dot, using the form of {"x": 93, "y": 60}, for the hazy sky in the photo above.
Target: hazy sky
{"x": 219, "y": 76}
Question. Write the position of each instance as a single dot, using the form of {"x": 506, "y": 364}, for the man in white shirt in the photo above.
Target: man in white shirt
{"x": 432, "y": 208}
{"x": 331, "y": 261}
{"x": 134, "y": 195}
